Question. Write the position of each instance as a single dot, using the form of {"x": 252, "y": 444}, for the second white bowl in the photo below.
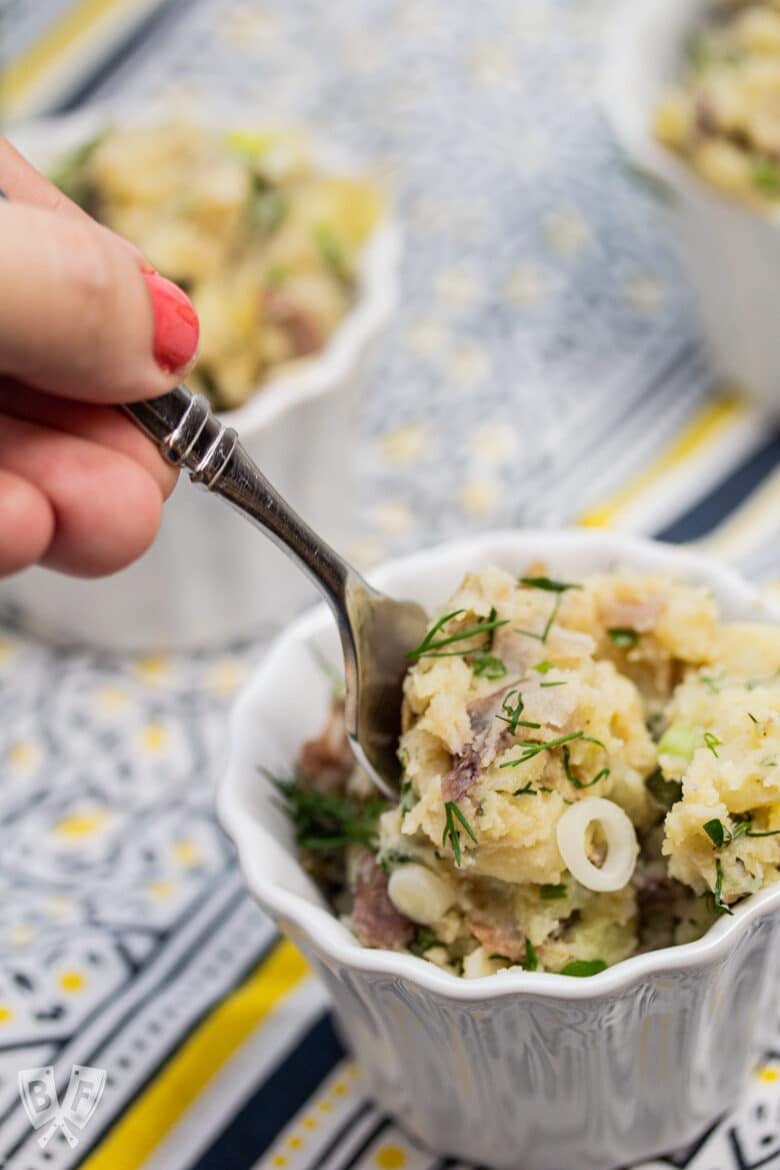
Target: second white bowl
{"x": 731, "y": 254}
{"x": 209, "y": 578}
{"x": 523, "y": 1069}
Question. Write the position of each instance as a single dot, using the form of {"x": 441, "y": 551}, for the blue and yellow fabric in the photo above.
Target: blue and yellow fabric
{"x": 543, "y": 368}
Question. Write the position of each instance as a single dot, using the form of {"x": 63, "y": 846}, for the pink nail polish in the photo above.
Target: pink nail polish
{"x": 176, "y": 327}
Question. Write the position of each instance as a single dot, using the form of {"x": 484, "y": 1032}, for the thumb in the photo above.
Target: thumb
{"x": 81, "y": 318}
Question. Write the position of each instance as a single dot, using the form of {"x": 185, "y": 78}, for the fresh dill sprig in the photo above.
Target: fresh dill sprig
{"x": 623, "y": 638}
{"x": 488, "y": 666}
{"x": 532, "y": 749}
{"x": 527, "y": 790}
{"x": 713, "y": 899}
{"x": 429, "y": 646}
{"x": 551, "y": 893}
{"x": 451, "y": 831}
{"x": 712, "y": 742}
{"x": 512, "y": 714}
{"x": 531, "y": 957}
{"x": 571, "y": 777}
{"x": 325, "y": 821}
{"x": 723, "y": 835}
{"x": 582, "y": 968}
{"x": 548, "y": 584}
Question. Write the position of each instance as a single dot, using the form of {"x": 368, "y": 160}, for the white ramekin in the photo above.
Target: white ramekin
{"x": 210, "y": 577}
{"x": 547, "y": 1072}
{"x": 731, "y": 254}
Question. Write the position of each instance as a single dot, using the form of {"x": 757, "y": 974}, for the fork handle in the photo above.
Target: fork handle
{"x": 190, "y": 436}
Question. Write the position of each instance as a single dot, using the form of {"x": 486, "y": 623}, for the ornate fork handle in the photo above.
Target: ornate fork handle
{"x": 190, "y": 436}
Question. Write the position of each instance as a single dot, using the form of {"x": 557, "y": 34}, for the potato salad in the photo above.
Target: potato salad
{"x": 723, "y": 116}
{"x": 266, "y": 244}
{"x": 591, "y": 768}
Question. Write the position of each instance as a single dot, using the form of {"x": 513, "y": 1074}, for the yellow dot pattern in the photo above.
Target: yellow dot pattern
{"x": 390, "y": 1158}
{"x": 767, "y": 1074}
{"x": 6, "y": 1015}
{"x": 72, "y": 981}
{"x": 154, "y": 737}
{"x": 81, "y": 824}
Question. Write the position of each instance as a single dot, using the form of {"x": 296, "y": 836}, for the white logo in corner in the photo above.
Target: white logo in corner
{"x": 41, "y": 1104}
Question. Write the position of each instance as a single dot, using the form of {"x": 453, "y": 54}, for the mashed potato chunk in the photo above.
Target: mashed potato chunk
{"x": 591, "y": 768}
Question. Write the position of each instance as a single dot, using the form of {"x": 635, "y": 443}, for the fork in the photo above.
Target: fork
{"x": 375, "y": 630}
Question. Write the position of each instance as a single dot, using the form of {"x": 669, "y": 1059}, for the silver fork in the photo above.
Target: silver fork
{"x": 375, "y": 631}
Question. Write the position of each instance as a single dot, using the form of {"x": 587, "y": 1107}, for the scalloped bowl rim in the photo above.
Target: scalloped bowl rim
{"x": 378, "y": 264}
{"x": 332, "y": 939}
{"x": 631, "y": 33}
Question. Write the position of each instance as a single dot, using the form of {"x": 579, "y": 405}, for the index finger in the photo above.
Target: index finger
{"x": 23, "y": 184}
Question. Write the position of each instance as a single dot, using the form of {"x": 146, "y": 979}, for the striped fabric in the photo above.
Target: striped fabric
{"x": 543, "y": 369}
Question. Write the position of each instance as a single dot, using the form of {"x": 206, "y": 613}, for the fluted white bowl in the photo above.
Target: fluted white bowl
{"x": 731, "y": 254}
{"x": 209, "y": 578}
{"x": 531, "y": 1070}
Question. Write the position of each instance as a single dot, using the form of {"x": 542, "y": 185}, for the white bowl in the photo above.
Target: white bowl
{"x": 543, "y": 1071}
{"x": 731, "y": 254}
{"x": 209, "y": 577}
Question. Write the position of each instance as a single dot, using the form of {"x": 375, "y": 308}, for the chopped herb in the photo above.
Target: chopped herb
{"x": 664, "y": 792}
{"x": 548, "y": 584}
{"x": 332, "y": 252}
{"x": 325, "y": 821}
{"x": 531, "y": 957}
{"x": 716, "y": 831}
{"x": 430, "y": 645}
{"x": 493, "y": 627}
{"x": 408, "y": 799}
{"x": 712, "y": 684}
{"x": 560, "y": 683}
{"x": 393, "y": 857}
{"x": 712, "y": 742}
{"x": 625, "y": 639}
{"x": 488, "y": 666}
{"x": 277, "y": 275}
{"x": 552, "y": 893}
{"x": 698, "y": 50}
{"x": 424, "y": 939}
{"x": 512, "y": 716}
{"x": 527, "y": 790}
{"x": 581, "y": 968}
{"x": 571, "y": 777}
{"x": 451, "y": 811}
{"x": 752, "y": 718}
{"x": 768, "y": 833}
{"x": 533, "y": 749}
{"x": 766, "y": 175}
{"x": 713, "y": 899}
{"x": 543, "y": 667}
{"x": 267, "y": 208}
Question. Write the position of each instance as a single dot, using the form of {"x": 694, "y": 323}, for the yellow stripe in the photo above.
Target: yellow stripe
{"x": 172, "y": 1093}
{"x": 27, "y": 70}
{"x": 707, "y": 426}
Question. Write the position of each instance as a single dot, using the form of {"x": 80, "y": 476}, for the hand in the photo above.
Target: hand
{"x": 84, "y": 322}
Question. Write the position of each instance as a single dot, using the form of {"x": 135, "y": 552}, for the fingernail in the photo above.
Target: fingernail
{"x": 176, "y": 328}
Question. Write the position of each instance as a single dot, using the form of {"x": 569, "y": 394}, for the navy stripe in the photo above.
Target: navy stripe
{"x": 726, "y": 496}
{"x": 276, "y": 1102}
{"x": 138, "y": 38}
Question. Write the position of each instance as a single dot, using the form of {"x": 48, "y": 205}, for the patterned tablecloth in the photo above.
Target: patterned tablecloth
{"x": 543, "y": 369}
